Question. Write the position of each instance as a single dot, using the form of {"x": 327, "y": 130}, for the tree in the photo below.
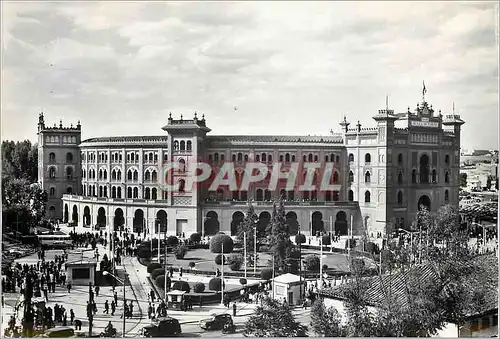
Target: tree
{"x": 463, "y": 179}
{"x": 273, "y": 319}
{"x": 248, "y": 227}
{"x": 20, "y": 160}
{"x": 195, "y": 237}
{"x": 199, "y": 287}
{"x": 215, "y": 284}
{"x": 279, "y": 239}
{"x": 235, "y": 261}
{"x": 172, "y": 241}
{"x": 325, "y": 321}
{"x": 312, "y": 263}
{"x": 180, "y": 251}
{"x": 217, "y": 241}
{"x": 182, "y": 286}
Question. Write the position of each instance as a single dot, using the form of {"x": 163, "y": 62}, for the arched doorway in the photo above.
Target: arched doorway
{"x": 101, "y": 217}
{"x": 66, "y": 213}
{"x": 317, "y": 223}
{"x": 212, "y": 225}
{"x": 119, "y": 220}
{"x": 237, "y": 219}
{"x": 341, "y": 223}
{"x": 161, "y": 221}
{"x": 424, "y": 201}
{"x": 424, "y": 169}
{"x": 138, "y": 223}
{"x": 293, "y": 224}
{"x": 86, "y": 216}
{"x": 74, "y": 216}
{"x": 264, "y": 219}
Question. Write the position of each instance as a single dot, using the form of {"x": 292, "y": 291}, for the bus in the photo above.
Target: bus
{"x": 60, "y": 241}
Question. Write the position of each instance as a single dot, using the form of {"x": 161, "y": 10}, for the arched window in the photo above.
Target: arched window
{"x": 332, "y": 157}
{"x": 287, "y": 157}
{"x": 136, "y": 193}
{"x": 69, "y": 173}
{"x": 400, "y": 178}
{"x": 216, "y": 157}
{"x": 259, "y": 195}
{"x": 113, "y": 192}
{"x": 400, "y": 198}
{"x": 100, "y": 174}
{"x": 105, "y": 175}
{"x": 69, "y": 158}
{"x": 100, "y": 191}
{"x": 424, "y": 169}
{"x": 326, "y": 158}
{"x": 414, "y": 176}
{"x": 351, "y": 157}
{"x": 147, "y": 176}
{"x": 351, "y": 195}
{"x": 257, "y": 157}
{"x": 293, "y": 157}
{"x": 183, "y": 145}
{"x": 69, "y": 190}
{"x": 447, "y": 177}
{"x": 367, "y": 176}
{"x": 154, "y": 194}
{"x": 105, "y": 191}
{"x": 156, "y": 157}
{"x": 267, "y": 195}
{"x": 154, "y": 176}
{"x": 304, "y": 158}
{"x": 240, "y": 157}
{"x": 434, "y": 176}
{"x": 176, "y": 145}
{"x": 246, "y": 157}
{"x": 147, "y": 193}
{"x": 335, "y": 177}
{"x": 351, "y": 176}
{"x": 136, "y": 175}
{"x": 52, "y": 173}
{"x": 210, "y": 158}
{"x": 129, "y": 175}
{"x": 150, "y": 156}
{"x": 270, "y": 158}
{"x": 446, "y": 196}
{"x": 52, "y": 191}
{"x": 367, "y": 196}
{"x": 234, "y": 157}
{"x": 113, "y": 175}
{"x": 281, "y": 157}
{"x": 316, "y": 158}
{"x": 368, "y": 157}
{"x": 52, "y": 157}
{"x": 335, "y": 195}
{"x": 132, "y": 157}
{"x": 182, "y": 185}
{"x": 119, "y": 175}
{"x": 119, "y": 193}
{"x": 263, "y": 157}
{"x": 182, "y": 165}
{"x": 447, "y": 159}
{"x": 189, "y": 145}
{"x": 400, "y": 158}
{"x": 310, "y": 158}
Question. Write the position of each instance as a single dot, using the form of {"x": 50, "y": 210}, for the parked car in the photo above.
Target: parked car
{"x": 162, "y": 327}
{"x": 215, "y": 322}
{"x": 59, "y": 332}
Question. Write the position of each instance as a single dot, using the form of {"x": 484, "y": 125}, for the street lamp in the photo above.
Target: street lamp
{"x": 255, "y": 247}
{"x": 123, "y": 283}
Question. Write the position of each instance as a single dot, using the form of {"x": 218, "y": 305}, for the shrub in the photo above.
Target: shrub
{"x": 300, "y": 238}
{"x": 192, "y": 264}
{"x": 195, "y": 237}
{"x": 235, "y": 261}
{"x": 353, "y": 243}
{"x": 215, "y": 284}
{"x": 325, "y": 267}
{"x": 153, "y": 266}
{"x": 182, "y": 286}
{"x": 371, "y": 247}
{"x": 160, "y": 281}
{"x": 312, "y": 263}
{"x": 326, "y": 240}
{"x": 294, "y": 253}
{"x": 358, "y": 264}
{"x": 172, "y": 241}
{"x": 243, "y": 281}
{"x": 217, "y": 241}
{"x": 143, "y": 252}
{"x": 218, "y": 259}
{"x": 199, "y": 287}
{"x": 157, "y": 272}
{"x": 264, "y": 248}
{"x": 180, "y": 251}
{"x": 266, "y": 274}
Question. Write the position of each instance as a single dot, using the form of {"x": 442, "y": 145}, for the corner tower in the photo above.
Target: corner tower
{"x": 59, "y": 165}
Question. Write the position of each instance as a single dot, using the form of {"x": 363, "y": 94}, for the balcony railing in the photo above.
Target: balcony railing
{"x": 287, "y": 203}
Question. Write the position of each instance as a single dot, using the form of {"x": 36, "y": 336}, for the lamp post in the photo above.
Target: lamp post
{"x": 222, "y": 275}
{"x": 255, "y": 248}
{"x": 245, "y": 251}
{"x": 123, "y": 283}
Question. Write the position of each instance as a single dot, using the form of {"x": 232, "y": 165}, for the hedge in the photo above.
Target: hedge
{"x": 182, "y": 286}
{"x": 235, "y": 261}
{"x": 326, "y": 240}
{"x": 300, "y": 238}
{"x": 195, "y": 237}
{"x": 160, "y": 281}
{"x": 153, "y": 266}
{"x": 215, "y": 284}
{"x": 172, "y": 241}
{"x": 157, "y": 272}
{"x": 353, "y": 244}
{"x": 192, "y": 264}
{"x": 217, "y": 241}
{"x": 312, "y": 263}
{"x": 180, "y": 251}
{"x": 218, "y": 259}
{"x": 243, "y": 281}
{"x": 266, "y": 274}
{"x": 199, "y": 287}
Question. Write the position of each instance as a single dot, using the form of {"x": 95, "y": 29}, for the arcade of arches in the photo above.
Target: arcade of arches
{"x": 424, "y": 201}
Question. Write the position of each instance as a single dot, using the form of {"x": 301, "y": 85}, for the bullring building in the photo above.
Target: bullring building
{"x": 383, "y": 174}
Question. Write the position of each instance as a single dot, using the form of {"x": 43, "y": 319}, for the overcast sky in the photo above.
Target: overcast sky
{"x": 289, "y": 68}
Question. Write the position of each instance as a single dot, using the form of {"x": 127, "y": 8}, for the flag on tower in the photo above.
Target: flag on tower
{"x": 424, "y": 90}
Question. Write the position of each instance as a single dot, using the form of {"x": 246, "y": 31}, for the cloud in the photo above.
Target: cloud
{"x": 292, "y": 68}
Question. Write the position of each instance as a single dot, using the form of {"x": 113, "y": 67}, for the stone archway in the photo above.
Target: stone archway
{"x": 119, "y": 220}
{"x": 74, "y": 215}
{"x": 317, "y": 223}
{"x": 341, "y": 223}
{"x": 138, "y": 222}
{"x": 425, "y": 202}
{"x": 211, "y": 224}
{"x": 86, "y": 216}
{"x": 161, "y": 221}
{"x": 293, "y": 224}
{"x": 236, "y": 221}
{"x": 66, "y": 213}
{"x": 101, "y": 217}
{"x": 264, "y": 220}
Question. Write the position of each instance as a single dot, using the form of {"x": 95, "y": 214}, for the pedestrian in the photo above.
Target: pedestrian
{"x": 106, "y": 307}
{"x": 131, "y": 308}
{"x": 65, "y": 319}
{"x": 150, "y": 311}
{"x": 96, "y": 290}
{"x": 115, "y": 296}
{"x": 78, "y": 325}
{"x": 234, "y": 309}
{"x": 113, "y": 307}
{"x": 152, "y": 295}
{"x": 69, "y": 287}
{"x": 71, "y": 316}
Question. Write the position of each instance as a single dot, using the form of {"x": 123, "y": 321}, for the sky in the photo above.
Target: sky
{"x": 251, "y": 67}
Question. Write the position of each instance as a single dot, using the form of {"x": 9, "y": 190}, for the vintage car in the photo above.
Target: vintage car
{"x": 59, "y": 332}
{"x": 162, "y": 327}
{"x": 216, "y": 321}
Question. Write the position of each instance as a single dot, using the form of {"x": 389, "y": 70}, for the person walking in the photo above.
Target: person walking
{"x": 69, "y": 287}
{"x": 115, "y": 296}
{"x": 71, "y": 316}
{"x": 96, "y": 290}
{"x": 106, "y": 307}
{"x": 113, "y": 307}
{"x": 150, "y": 311}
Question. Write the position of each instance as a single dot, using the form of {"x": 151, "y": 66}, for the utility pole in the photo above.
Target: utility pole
{"x": 255, "y": 249}
{"x": 222, "y": 275}
{"x": 245, "y": 251}
{"x": 320, "y": 263}
{"x": 165, "y": 283}
{"x": 273, "y": 275}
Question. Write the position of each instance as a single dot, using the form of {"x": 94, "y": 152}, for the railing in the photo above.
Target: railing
{"x": 287, "y": 203}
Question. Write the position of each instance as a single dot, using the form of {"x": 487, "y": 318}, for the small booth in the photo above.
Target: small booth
{"x": 175, "y": 299}
{"x": 81, "y": 272}
{"x": 288, "y": 286}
